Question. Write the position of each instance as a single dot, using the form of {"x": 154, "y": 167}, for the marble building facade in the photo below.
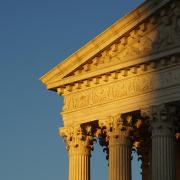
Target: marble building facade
{"x": 123, "y": 89}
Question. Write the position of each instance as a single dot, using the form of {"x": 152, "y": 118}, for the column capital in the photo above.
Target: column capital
{"x": 115, "y": 125}
{"x": 164, "y": 113}
{"x": 160, "y": 113}
{"x": 116, "y": 128}
{"x": 162, "y": 118}
{"x": 78, "y": 140}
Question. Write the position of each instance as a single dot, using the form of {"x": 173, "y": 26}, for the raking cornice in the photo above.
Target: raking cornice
{"x": 101, "y": 42}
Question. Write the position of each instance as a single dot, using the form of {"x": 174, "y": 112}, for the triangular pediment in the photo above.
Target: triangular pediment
{"x": 150, "y": 29}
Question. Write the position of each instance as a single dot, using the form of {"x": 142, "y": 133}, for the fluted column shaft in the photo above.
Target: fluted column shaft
{"x": 163, "y": 155}
{"x": 79, "y": 164}
{"x": 119, "y": 157}
{"x": 119, "y": 147}
{"x": 163, "y": 145}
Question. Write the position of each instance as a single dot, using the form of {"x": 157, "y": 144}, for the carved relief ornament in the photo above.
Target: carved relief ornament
{"x": 119, "y": 89}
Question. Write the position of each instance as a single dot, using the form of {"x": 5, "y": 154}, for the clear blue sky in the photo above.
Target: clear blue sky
{"x": 35, "y": 35}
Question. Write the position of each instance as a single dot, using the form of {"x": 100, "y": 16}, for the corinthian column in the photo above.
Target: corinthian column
{"x": 79, "y": 145}
{"x": 119, "y": 149}
{"x": 163, "y": 143}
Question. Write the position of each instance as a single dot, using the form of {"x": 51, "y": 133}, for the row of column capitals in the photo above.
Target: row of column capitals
{"x": 158, "y": 120}
{"x": 149, "y": 131}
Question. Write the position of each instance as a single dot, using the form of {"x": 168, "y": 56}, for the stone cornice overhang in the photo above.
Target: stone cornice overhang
{"x": 123, "y": 66}
{"x": 55, "y": 77}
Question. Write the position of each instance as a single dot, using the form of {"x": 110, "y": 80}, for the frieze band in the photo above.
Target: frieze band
{"x": 121, "y": 89}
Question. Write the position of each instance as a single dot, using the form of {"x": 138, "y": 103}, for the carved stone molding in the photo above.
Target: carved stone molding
{"x": 96, "y": 78}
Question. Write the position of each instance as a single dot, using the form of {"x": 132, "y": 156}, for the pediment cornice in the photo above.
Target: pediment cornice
{"x": 58, "y": 76}
{"x": 79, "y": 84}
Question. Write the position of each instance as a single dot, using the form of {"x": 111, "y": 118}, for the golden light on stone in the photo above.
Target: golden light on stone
{"x": 139, "y": 123}
{"x": 133, "y": 66}
{"x": 129, "y": 120}
{"x": 97, "y": 132}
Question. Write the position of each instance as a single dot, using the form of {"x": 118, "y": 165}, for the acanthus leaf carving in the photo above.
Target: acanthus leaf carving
{"x": 78, "y": 138}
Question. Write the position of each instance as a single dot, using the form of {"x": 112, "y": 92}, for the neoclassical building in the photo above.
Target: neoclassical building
{"x": 122, "y": 89}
